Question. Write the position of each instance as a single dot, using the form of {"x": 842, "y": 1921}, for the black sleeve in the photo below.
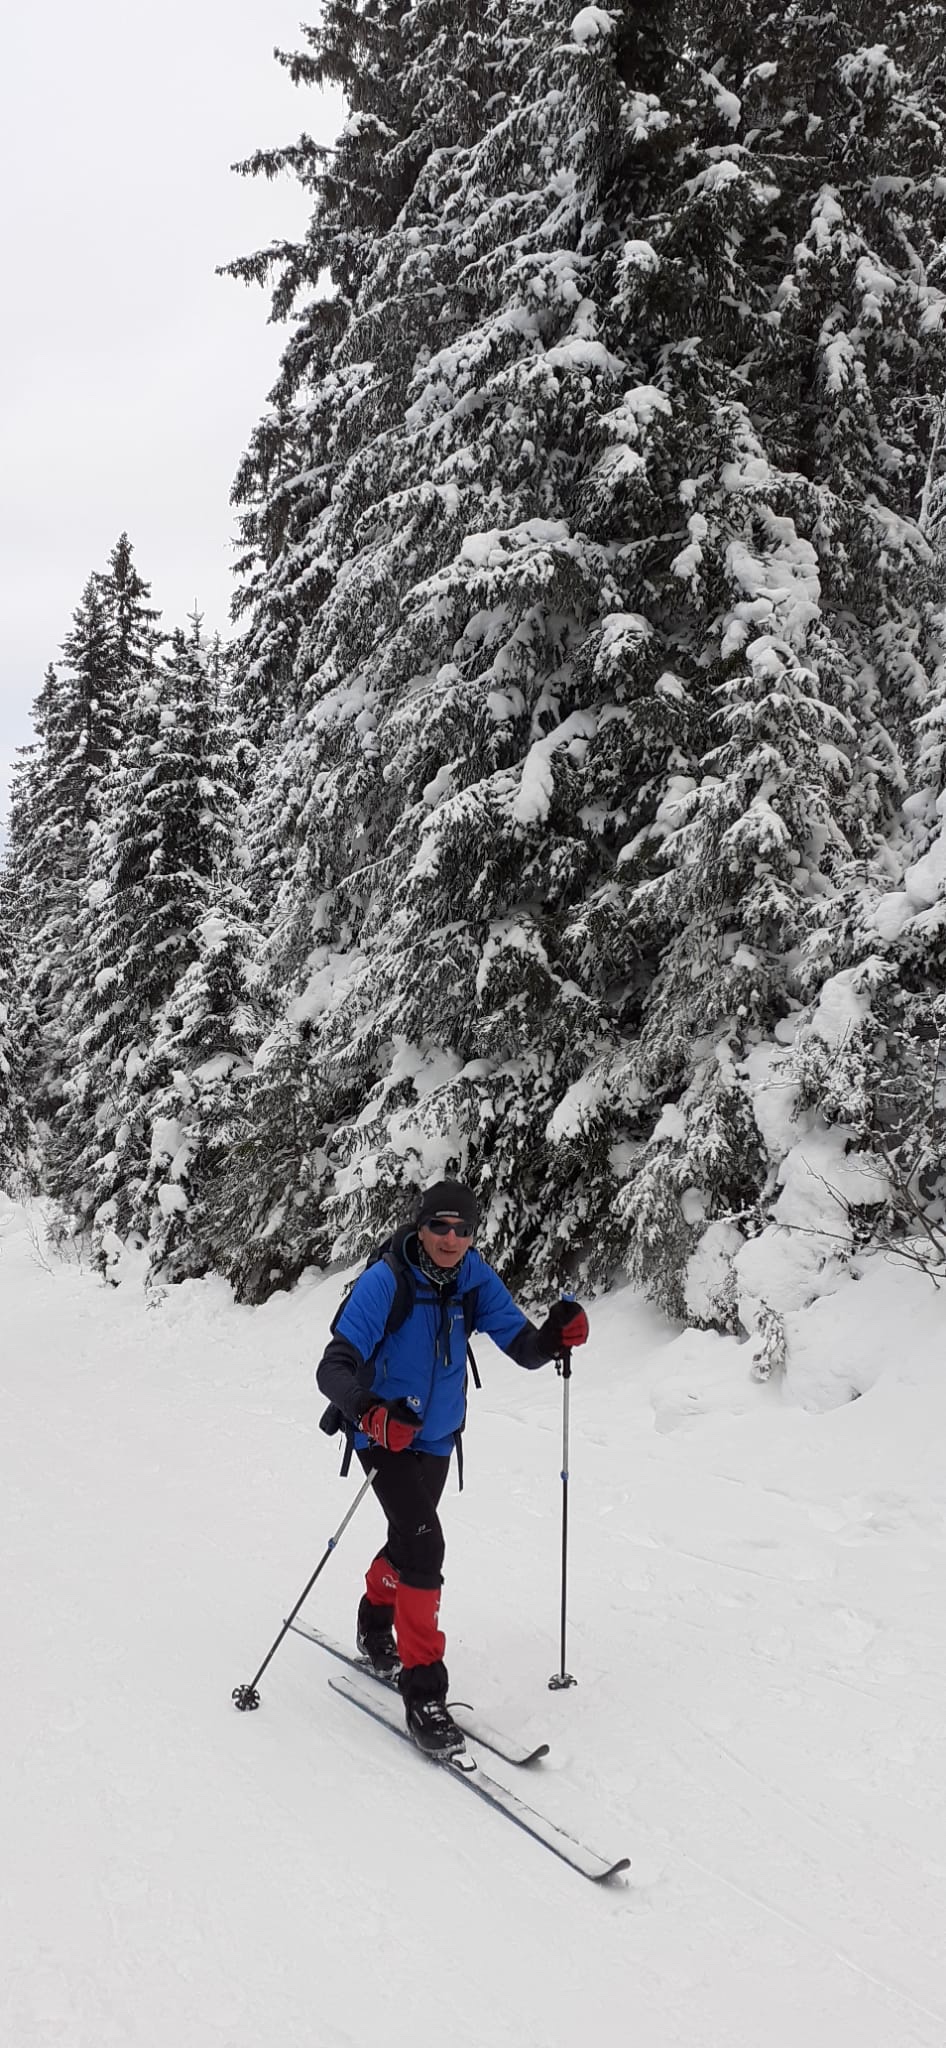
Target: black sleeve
{"x": 344, "y": 1377}
{"x": 532, "y": 1347}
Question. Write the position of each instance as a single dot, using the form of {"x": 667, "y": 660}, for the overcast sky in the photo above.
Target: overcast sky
{"x": 130, "y": 375}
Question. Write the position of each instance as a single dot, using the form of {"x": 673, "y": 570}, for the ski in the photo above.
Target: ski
{"x": 472, "y": 1724}
{"x": 376, "y": 1700}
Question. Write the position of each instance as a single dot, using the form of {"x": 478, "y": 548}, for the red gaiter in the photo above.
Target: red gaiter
{"x": 416, "y": 1615}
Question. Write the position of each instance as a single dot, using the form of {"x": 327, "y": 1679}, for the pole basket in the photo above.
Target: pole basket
{"x": 561, "y": 1680}
{"x": 245, "y": 1698}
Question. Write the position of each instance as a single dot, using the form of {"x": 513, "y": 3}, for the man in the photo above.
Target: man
{"x": 403, "y": 1389}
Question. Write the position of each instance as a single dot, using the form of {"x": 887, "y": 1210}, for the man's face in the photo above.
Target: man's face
{"x": 446, "y": 1240}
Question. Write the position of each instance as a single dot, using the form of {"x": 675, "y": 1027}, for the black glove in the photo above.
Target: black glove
{"x": 565, "y": 1326}
{"x": 392, "y": 1425}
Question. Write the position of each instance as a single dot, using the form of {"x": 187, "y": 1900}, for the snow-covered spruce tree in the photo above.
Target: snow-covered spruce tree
{"x": 56, "y": 801}
{"x": 459, "y": 408}
{"x": 12, "y": 1107}
{"x": 91, "y": 686}
{"x": 416, "y": 81}
{"x": 34, "y": 892}
{"x": 786, "y": 850}
{"x": 132, "y": 619}
{"x": 618, "y": 621}
{"x": 54, "y": 804}
{"x": 163, "y": 842}
{"x": 15, "y": 1140}
{"x": 207, "y": 1028}
{"x": 794, "y": 282}
{"x": 199, "y": 1068}
{"x": 263, "y": 1209}
{"x": 883, "y": 1076}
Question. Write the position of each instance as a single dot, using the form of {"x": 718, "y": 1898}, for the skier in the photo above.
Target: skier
{"x": 402, "y": 1393}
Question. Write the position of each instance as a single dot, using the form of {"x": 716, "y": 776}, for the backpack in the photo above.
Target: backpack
{"x": 389, "y": 1253}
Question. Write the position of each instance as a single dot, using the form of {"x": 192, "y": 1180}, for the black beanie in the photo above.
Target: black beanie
{"x": 449, "y": 1198}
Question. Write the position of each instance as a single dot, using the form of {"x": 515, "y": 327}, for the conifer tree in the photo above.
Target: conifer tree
{"x": 12, "y": 1114}
{"x": 14, "y": 1122}
{"x": 162, "y": 846}
{"x": 600, "y": 483}
{"x": 132, "y": 620}
{"x": 200, "y": 1066}
{"x": 430, "y": 781}
{"x": 46, "y": 859}
{"x": 79, "y": 718}
{"x": 91, "y": 697}
{"x": 415, "y": 83}
{"x": 31, "y": 865}
{"x": 818, "y": 212}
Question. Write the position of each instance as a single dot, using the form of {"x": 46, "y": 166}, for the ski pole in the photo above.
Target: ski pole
{"x": 246, "y": 1697}
{"x": 561, "y": 1679}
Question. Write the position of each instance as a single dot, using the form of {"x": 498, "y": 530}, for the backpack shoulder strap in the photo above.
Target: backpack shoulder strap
{"x": 386, "y": 1254}
{"x": 404, "y": 1290}
{"x": 471, "y": 1306}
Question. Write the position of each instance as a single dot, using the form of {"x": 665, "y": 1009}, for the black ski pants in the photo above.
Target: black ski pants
{"x": 409, "y": 1485}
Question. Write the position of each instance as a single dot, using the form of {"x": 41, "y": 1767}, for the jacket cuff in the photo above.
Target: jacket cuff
{"x": 530, "y": 1348}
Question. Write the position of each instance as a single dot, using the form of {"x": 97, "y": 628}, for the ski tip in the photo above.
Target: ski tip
{"x": 623, "y": 1863}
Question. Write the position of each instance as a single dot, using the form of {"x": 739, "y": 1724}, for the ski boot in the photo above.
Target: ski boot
{"x": 429, "y": 1721}
{"x": 374, "y": 1638}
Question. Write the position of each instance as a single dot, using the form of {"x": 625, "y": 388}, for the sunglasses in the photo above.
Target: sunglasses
{"x": 446, "y": 1226}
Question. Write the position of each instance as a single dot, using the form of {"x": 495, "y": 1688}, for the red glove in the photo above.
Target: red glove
{"x": 386, "y": 1427}
{"x": 566, "y": 1325}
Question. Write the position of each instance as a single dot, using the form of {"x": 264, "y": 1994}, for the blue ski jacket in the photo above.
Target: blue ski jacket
{"x": 424, "y": 1362}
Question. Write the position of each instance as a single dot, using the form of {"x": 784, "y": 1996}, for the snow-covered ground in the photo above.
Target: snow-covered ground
{"x": 758, "y": 1625}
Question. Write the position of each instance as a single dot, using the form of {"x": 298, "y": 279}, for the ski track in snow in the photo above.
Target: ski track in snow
{"x": 757, "y": 1624}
